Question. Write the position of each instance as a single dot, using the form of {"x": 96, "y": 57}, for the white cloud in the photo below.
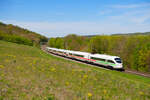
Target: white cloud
{"x": 131, "y": 5}
{"x": 82, "y": 28}
{"x": 134, "y": 17}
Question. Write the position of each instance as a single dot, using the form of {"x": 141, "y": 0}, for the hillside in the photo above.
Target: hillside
{"x": 10, "y": 32}
{"x": 136, "y": 33}
{"x": 28, "y": 73}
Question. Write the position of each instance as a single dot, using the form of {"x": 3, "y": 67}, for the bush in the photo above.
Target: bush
{"x": 15, "y": 39}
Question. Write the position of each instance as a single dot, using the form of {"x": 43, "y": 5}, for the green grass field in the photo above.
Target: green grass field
{"x": 27, "y": 73}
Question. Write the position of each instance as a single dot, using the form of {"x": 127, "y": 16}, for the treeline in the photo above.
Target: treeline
{"x": 137, "y": 33}
{"x": 11, "y": 33}
{"x": 133, "y": 49}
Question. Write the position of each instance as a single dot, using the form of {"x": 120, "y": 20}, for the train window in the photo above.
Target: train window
{"x": 78, "y": 55}
{"x": 100, "y": 59}
{"x": 118, "y": 60}
{"x": 110, "y": 61}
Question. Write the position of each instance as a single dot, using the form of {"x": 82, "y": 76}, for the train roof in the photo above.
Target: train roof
{"x": 79, "y": 52}
{"x": 56, "y": 49}
{"x": 104, "y": 56}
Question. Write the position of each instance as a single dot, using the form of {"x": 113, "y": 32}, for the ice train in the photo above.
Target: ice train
{"x": 112, "y": 62}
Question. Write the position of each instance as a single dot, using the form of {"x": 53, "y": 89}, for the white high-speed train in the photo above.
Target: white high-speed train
{"x": 113, "y": 62}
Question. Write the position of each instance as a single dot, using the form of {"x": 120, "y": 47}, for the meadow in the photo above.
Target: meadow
{"x": 27, "y": 73}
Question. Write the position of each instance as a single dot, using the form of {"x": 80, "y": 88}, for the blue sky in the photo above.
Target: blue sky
{"x": 54, "y": 18}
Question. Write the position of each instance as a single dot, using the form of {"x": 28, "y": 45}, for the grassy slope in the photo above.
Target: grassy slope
{"x": 28, "y": 73}
{"x": 9, "y": 30}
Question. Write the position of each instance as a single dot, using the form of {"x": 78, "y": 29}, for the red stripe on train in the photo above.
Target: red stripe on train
{"x": 82, "y": 58}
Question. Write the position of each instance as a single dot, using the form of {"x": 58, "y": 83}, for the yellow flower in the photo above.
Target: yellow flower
{"x": 83, "y": 81}
{"x": 105, "y": 91}
{"x": 85, "y": 76}
{"x": 34, "y": 61}
{"x": 2, "y": 75}
{"x": 89, "y": 94}
{"x": 53, "y": 69}
{"x": 80, "y": 76}
{"x": 12, "y": 56}
{"x": 42, "y": 69}
{"x": 18, "y": 67}
{"x": 1, "y": 66}
{"x": 73, "y": 71}
{"x": 30, "y": 64}
{"x": 6, "y": 60}
{"x": 67, "y": 83}
{"x": 141, "y": 93}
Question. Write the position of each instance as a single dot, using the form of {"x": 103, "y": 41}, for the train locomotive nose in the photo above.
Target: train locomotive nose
{"x": 119, "y": 66}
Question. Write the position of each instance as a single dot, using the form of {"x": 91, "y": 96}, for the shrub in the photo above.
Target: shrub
{"x": 15, "y": 39}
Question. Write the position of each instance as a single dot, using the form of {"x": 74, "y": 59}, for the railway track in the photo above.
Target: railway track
{"x": 95, "y": 65}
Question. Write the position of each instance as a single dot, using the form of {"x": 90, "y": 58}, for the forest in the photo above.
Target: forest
{"x": 133, "y": 49}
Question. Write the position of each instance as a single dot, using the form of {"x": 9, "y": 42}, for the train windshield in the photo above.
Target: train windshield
{"x": 118, "y": 60}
